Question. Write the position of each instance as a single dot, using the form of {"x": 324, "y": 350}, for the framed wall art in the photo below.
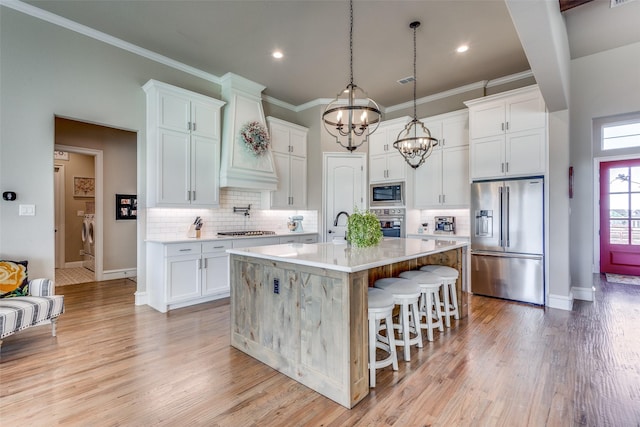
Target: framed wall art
{"x": 84, "y": 187}
{"x": 126, "y": 206}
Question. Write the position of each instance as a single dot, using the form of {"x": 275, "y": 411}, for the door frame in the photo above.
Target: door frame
{"x": 322, "y": 231}
{"x": 60, "y": 209}
{"x": 596, "y": 203}
{"x": 99, "y": 195}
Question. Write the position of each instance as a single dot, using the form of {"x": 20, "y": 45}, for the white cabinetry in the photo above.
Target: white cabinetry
{"x": 443, "y": 179}
{"x": 289, "y": 148}
{"x": 508, "y": 134}
{"x": 183, "y": 146}
{"x": 182, "y": 274}
{"x": 307, "y": 238}
{"x": 385, "y": 162}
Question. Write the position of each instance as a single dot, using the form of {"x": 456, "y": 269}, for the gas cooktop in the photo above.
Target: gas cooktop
{"x": 246, "y": 233}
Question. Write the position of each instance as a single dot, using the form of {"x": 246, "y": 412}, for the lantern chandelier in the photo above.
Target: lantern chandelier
{"x": 414, "y": 142}
{"x": 352, "y": 116}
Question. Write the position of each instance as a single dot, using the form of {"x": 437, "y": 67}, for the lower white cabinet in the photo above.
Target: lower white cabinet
{"x": 182, "y": 274}
{"x": 306, "y": 238}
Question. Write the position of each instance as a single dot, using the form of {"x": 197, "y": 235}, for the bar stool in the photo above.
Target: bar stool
{"x": 429, "y": 300}
{"x": 449, "y": 277}
{"x": 380, "y": 308}
{"x": 406, "y": 294}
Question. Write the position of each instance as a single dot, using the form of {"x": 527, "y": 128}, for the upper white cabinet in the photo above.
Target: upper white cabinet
{"x": 385, "y": 162}
{"x": 289, "y": 148}
{"x": 183, "y": 146}
{"x": 443, "y": 179}
{"x": 508, "y": 134}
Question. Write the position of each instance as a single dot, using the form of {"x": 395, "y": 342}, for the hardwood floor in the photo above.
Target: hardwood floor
{"x": 507, "y": 364}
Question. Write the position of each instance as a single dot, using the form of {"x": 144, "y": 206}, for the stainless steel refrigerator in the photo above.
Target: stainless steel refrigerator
{"x": 507, "y": 239}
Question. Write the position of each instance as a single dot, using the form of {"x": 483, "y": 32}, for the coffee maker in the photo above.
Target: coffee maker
{"x": 295, "y": 223}
{"x": 445, "y": 225}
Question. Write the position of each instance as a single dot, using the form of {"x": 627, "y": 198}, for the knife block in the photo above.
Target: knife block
{"x": 193, "y": 233}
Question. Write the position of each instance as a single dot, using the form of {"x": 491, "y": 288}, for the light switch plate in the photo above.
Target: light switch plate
{"x": 27, "y": 210}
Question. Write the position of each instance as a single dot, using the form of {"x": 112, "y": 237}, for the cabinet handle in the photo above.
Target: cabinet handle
{"x": 200, "y": 264}
{"x": 507, "y": 167}
{"x": 194, "y": 194}
{"x": 194, "y": 126}
{"x": 444, "y": 198}
{"x": 442, "y": 142}
{"x": 502, "y": 126}
{"x": 206, "y": 263}
{"x": 188, "y": 195}
{"x": 184, "y": 250}
{"x": 502, "y": 167}
{"x": 507, "y": 125}
{"x": 218, "y": 247}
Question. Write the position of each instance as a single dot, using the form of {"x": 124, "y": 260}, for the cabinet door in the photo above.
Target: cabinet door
{"x": 487, "y": 119}
{"x": 279, "y": 139}
{"x": 205, "y": 158}
{"x": 173, "y": 171}
{"x": 298, "y": 182}
{"x": 298, "y": 141}
{"x": 455, "y": 132}
{"x": 309, "y": 239}
{"x": 378, "y": 168}
{"x": 525, "y": 152}
{"x": 428, "y": 182}
{"x": 378, "y": 143}
{"x": 205, "y": 119}
{"x": 289, "y": 239}
{"x": 525, "y": 111}
{"x": 174, "y": 112}
{"x": 183, "y": 278}
{"x": 487, "y": 157}
{"x": 215, "y": 274}
{"x": 455, "y": 177}
{"x": 396, "y": 166}
{"x": 280, "y": 197}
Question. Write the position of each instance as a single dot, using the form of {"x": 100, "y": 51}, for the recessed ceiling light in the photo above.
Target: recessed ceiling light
{"x": 462, "y": 48}
{"x": 277, "y": 54}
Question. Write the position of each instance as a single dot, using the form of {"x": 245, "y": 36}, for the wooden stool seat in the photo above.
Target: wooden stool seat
{"x": 449, "y": 276}
{"x": 380, "y": 308}
{"x": 406, "y": 294}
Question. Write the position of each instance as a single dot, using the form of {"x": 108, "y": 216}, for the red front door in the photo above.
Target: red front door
{"x": 620, "y": 217}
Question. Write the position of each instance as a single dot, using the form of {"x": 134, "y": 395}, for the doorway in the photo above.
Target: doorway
{"x": 344, "y": 189}
{"x": 620, "y": 217}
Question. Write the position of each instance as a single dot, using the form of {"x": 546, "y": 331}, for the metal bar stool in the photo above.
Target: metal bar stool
{"x": 406, "y": 294}
{"x": 449, "y": 276}
{"x": 429, "y": 299}
{"x": 380, "y": 308}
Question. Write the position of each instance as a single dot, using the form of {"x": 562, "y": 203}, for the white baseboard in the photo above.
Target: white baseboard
{"x": 141, "y": 298}
{"x": 74, "y": 264}
{"x": 583, "y": 294}
{"x": 561, "y": 302}
{"x": 123, "y": 273}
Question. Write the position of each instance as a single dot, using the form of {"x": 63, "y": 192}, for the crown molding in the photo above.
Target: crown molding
{"x": 106, "y": 38}
{"x": 510, "y": 78}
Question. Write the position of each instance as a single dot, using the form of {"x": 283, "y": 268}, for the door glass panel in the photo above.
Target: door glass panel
{"x": 635, "y": 232}
{"x": 618, "y": 206}
{"x": 619, "y": 232}
{"x": 635, "y": 205}
{"x": 618, "y": 180}
{"x": 635, "y": 179}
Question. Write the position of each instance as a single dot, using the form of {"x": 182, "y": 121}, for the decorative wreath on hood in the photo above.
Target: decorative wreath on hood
{"x": 255, "y": 136}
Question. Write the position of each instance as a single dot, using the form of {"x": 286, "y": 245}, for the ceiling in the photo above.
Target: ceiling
{"x": 238, "y": 36}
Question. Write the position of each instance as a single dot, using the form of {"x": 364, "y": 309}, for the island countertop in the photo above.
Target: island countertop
{"x": 346, "y": 258}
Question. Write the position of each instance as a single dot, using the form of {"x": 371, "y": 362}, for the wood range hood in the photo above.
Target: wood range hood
{"x": 240, "y": 168}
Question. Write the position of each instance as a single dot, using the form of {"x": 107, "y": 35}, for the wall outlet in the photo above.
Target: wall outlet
{"x": 276, "y": 286}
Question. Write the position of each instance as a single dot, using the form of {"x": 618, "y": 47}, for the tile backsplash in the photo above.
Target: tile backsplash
{"x": 168, "y": 223}
{"x": 415, "y": 217}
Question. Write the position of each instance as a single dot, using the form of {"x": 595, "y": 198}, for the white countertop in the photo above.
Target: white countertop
{"x": 343, "y": 257}
{"x": 209, "y": 238}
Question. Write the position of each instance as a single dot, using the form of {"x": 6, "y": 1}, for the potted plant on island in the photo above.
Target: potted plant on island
{"x": 363, "y": 229}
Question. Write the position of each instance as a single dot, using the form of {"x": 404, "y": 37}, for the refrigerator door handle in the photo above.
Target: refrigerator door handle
{"x": 501, "y": 218}
{"x": 506, "y": 255}
{"x": 506, "y": 218}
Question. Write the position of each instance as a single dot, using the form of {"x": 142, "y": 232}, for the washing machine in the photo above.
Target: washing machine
{"x": 88, "y": 242}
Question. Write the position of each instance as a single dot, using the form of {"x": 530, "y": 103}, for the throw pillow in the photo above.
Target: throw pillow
{"x": 13, "y": 279}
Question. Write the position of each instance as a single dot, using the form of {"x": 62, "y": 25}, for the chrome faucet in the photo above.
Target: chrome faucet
{"x": 335, "y": 222}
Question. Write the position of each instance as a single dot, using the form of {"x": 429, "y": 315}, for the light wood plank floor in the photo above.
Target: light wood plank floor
{"x": 508, "y": 364}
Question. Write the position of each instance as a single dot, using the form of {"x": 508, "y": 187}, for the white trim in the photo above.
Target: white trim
{"x": 106, "y": 38}
{"x": 141, "y": 298}
{"x": 560, "y": 302}
{"x": 510, "y": 79}
{"x": 59, "y": 211}
{"x": 583, "y": 294}
{"x": 441, "y": 95}
{"x": 275, "y": 101}
{"x": 122, "y": 273}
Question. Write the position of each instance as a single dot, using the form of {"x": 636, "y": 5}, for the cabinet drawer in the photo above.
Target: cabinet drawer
{"x": 220, "y": 246}
{"x": 182, "y": 249}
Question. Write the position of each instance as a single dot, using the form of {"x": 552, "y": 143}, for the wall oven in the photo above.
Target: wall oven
{"x": 392, "y": 221}
{"x": 386, "y": 194}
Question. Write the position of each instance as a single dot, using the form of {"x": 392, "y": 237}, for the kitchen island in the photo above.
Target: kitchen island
{"x": 302, "y": 308}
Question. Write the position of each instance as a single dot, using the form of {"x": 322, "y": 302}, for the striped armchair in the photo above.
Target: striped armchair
{"x": 40, "y": 307}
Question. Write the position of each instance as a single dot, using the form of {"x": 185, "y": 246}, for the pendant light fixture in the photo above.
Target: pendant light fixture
{"x": 414, "y": 142}
{"x": 352, "y": 116}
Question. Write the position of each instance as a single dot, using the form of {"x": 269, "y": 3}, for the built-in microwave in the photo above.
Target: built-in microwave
{"x": 386, "y": 194}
